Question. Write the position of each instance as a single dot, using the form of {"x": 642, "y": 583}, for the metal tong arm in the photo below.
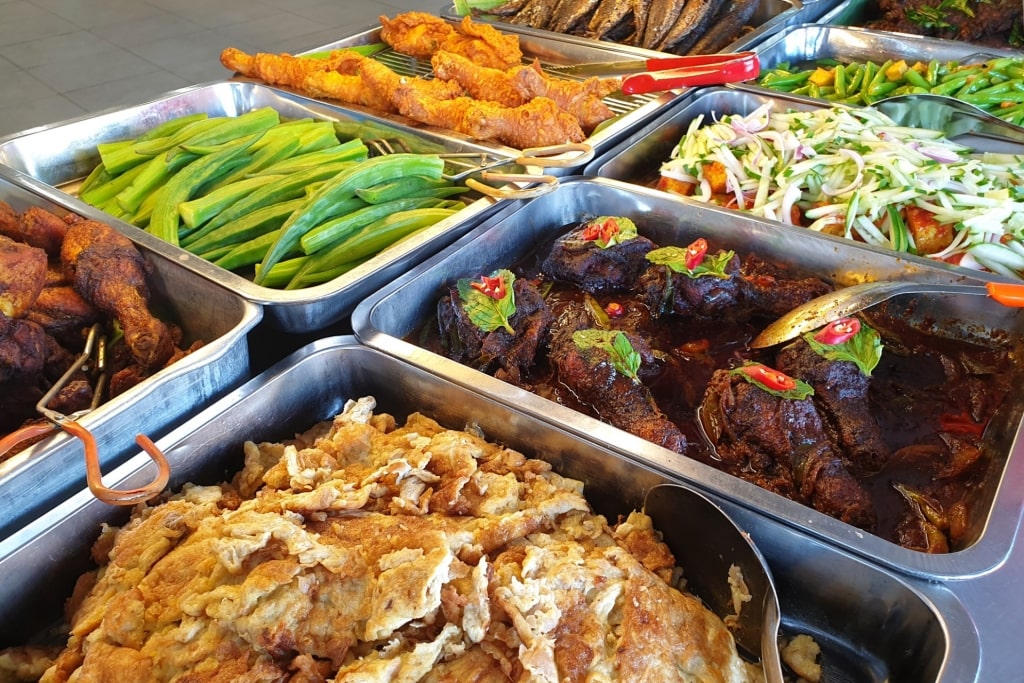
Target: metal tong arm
{"x": 550, "y": 156}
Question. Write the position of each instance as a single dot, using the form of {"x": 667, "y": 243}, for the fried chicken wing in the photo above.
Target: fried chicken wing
{"x": 484, "y": 45}
{"x": 417, "y": 34}
{"x": 105, "y": 267}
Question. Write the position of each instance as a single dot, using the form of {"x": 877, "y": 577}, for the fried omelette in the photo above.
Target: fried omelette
{"x": 367, "y": 551}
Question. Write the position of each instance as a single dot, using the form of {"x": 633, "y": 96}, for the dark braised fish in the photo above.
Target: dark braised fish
{"x": 726, "y": 27}
{"x": 609, "y": 15}
{"x": 693, "y": 20}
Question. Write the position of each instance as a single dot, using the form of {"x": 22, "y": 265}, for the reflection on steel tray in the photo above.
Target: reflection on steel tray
{"x": 842, "y": 600}
{"x": 35, "y": 478}
{"x": 62, "y": 154}
{"x": 389, "y": 319}
{"x": 738, "y": 25}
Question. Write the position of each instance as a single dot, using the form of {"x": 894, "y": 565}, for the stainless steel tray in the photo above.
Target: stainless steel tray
{"x": 770, "y": 17}
{"x": 388, "y": 319}
{"x": 37, "y": 477}
{"x": 844, "y": 601}
{"x": 61, "y": 154}
{"x": 549, "y": 49}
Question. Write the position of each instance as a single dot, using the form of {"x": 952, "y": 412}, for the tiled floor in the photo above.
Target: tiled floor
{"x": 64, "y": 58}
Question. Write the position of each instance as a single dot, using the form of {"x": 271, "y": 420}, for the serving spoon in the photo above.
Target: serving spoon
{"x": 952, "y": 116}
{"x": 849, "y": 300}
{"x": 706, "y": 543}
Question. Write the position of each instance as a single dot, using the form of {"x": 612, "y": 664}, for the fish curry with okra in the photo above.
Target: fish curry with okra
{"x": 867, "y": 420}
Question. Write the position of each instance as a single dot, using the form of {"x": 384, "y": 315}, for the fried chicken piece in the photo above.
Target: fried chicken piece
{"x": 479, "y": 82}
{"x": 579, "y": 98}
{"x": 285, "y": 69}
{"x": 349, "y": 89}
{"x": 105, "y": 267}
{"x": 22, "y": 276}
{"x": 537, "y": 123}
{"x": 36, "y": 227}
{"x": 417, "y": 34}
{"x": 384, "y": 81}
{"x": 61, "y": 311}
{"x": 484, "y": 45}
{"x": 23, "y": 346}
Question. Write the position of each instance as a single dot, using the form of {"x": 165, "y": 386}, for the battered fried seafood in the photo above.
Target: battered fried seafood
{"x": 285, "y": 69}
{"x": 364, "y": 550}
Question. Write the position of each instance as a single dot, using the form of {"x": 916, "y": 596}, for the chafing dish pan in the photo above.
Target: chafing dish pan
{"x": 34, "y": 479}
{"x": 61, "y": 154}
{"x": 395, "y": 314}
{"x": 769, "y": 17}
{"x": 873, "y": 625}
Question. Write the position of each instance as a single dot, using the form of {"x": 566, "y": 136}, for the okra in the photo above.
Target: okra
{"x": 247, "y": 253}
{"x": 326, "y": 235}
{"x": 183, "y": 185}
{"x": 101, "y": 194}
{"x": 343, "y": 186}
{"x": 261, "y": 158}
{"x": 155, "y": 173}
{"x": 284, "y": 188}
{"x": 171, "y": 126}
{"x": 353, "y": 150}
{"x": 197, "y": 211}
{"x": 282, "y": 272}
{"x": 404, "y": 187}
{"x": 247, "y": 227}
{"x": 121, "y": 160}
{"x": 96, "y": 177}
{"x": 232, "y": 128}
{"x": 365, "y": 243}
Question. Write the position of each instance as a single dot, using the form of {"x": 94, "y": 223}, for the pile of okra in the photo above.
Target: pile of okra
{"x": 996, "y": 85}
{"x": 288, "y": 203}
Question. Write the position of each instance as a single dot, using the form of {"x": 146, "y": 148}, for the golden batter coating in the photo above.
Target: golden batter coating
{"x": 364, "y": 550}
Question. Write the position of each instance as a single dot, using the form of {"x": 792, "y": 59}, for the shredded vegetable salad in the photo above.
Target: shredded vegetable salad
{"x": 854, "y": 172}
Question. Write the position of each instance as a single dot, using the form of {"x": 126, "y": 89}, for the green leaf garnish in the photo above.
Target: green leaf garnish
{"x": 607, "y": 231}
{"x": 487, "y": 313}
{"x": 615, "y": 343}
{"x": 674, "y": 258}
{"x": 774, "y": 382}
{"x": 864, "y": 349}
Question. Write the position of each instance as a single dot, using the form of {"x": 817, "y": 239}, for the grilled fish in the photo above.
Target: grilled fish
{"x": 535, "y": 14}
{"x": 608, "y": 15}
{"x": 661, "y": 17}
{"x": 509, "y": 8}
{"x": 693, "y": 20}
{"x": 570, "y": 13}
{"x": 726, "y": 28}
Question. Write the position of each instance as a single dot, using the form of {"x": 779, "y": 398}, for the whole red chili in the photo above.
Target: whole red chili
{"x": 695, "y": 252}
{"x": 615, "y": 310}
{"x": 771, "y": 378}
{"x": 838, "y": 331}
{"x": 603, "y": 231}
{"x": 493, "y": 287}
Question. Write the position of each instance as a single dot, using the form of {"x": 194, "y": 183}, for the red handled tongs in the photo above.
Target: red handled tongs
{"x": 691, "y": 70}
{"x": 92, "y": 361}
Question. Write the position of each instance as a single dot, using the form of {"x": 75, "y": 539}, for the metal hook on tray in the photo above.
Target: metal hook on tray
{"x": 93, "y": 359}
{"x": 480, "y": 164}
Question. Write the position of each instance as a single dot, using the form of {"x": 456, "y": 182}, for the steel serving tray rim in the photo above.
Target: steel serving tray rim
{"x": 882, "y": 597}
{"x": 377, "y": 318}
{"x": 299, "y": 311}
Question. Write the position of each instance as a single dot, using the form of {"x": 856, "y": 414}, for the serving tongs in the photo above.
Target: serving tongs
{"x": 952, "y": 116}
{"x": 91, "y": 361}
{"x": 666, "y": 73}
{"x": 845, "y": 302}
{"x": 474, "y": 168}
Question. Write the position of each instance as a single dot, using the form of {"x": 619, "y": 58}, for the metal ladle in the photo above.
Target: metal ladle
{"x": 706, "y": 543}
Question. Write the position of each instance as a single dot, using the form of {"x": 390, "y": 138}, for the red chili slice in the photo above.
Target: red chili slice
{"x": 615, "y": 310}
{"x": 771, "y": 378}
{"x": 838, "y": 331}
{"x": 603, "y": 231}
{"x": 695, "y": 252}
{"x": 493, "y": 287}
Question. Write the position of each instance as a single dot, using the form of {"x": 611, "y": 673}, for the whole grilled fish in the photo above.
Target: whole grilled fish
{"x": 608, "y": 15}
{"x": 535, "y": 14}
{"x": 641, "y": 10}
{"x": 509, "y": 8}
{"x": 569, "y": 13}
{"x": 693, "y": 20}
{"x": 661, "y": 17}
{"x": 726, "y": 27}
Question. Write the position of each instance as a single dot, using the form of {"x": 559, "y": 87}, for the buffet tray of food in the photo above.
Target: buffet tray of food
{"x": 63, "y": 156}
{"x": 603, "y": 112}
{"x": 206, "y": 327}
{"x": 716, "y": 27}
{"x": 251, "y": 545}
{"x": 855, "y": 148}
{"x": 430, "y": 317}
